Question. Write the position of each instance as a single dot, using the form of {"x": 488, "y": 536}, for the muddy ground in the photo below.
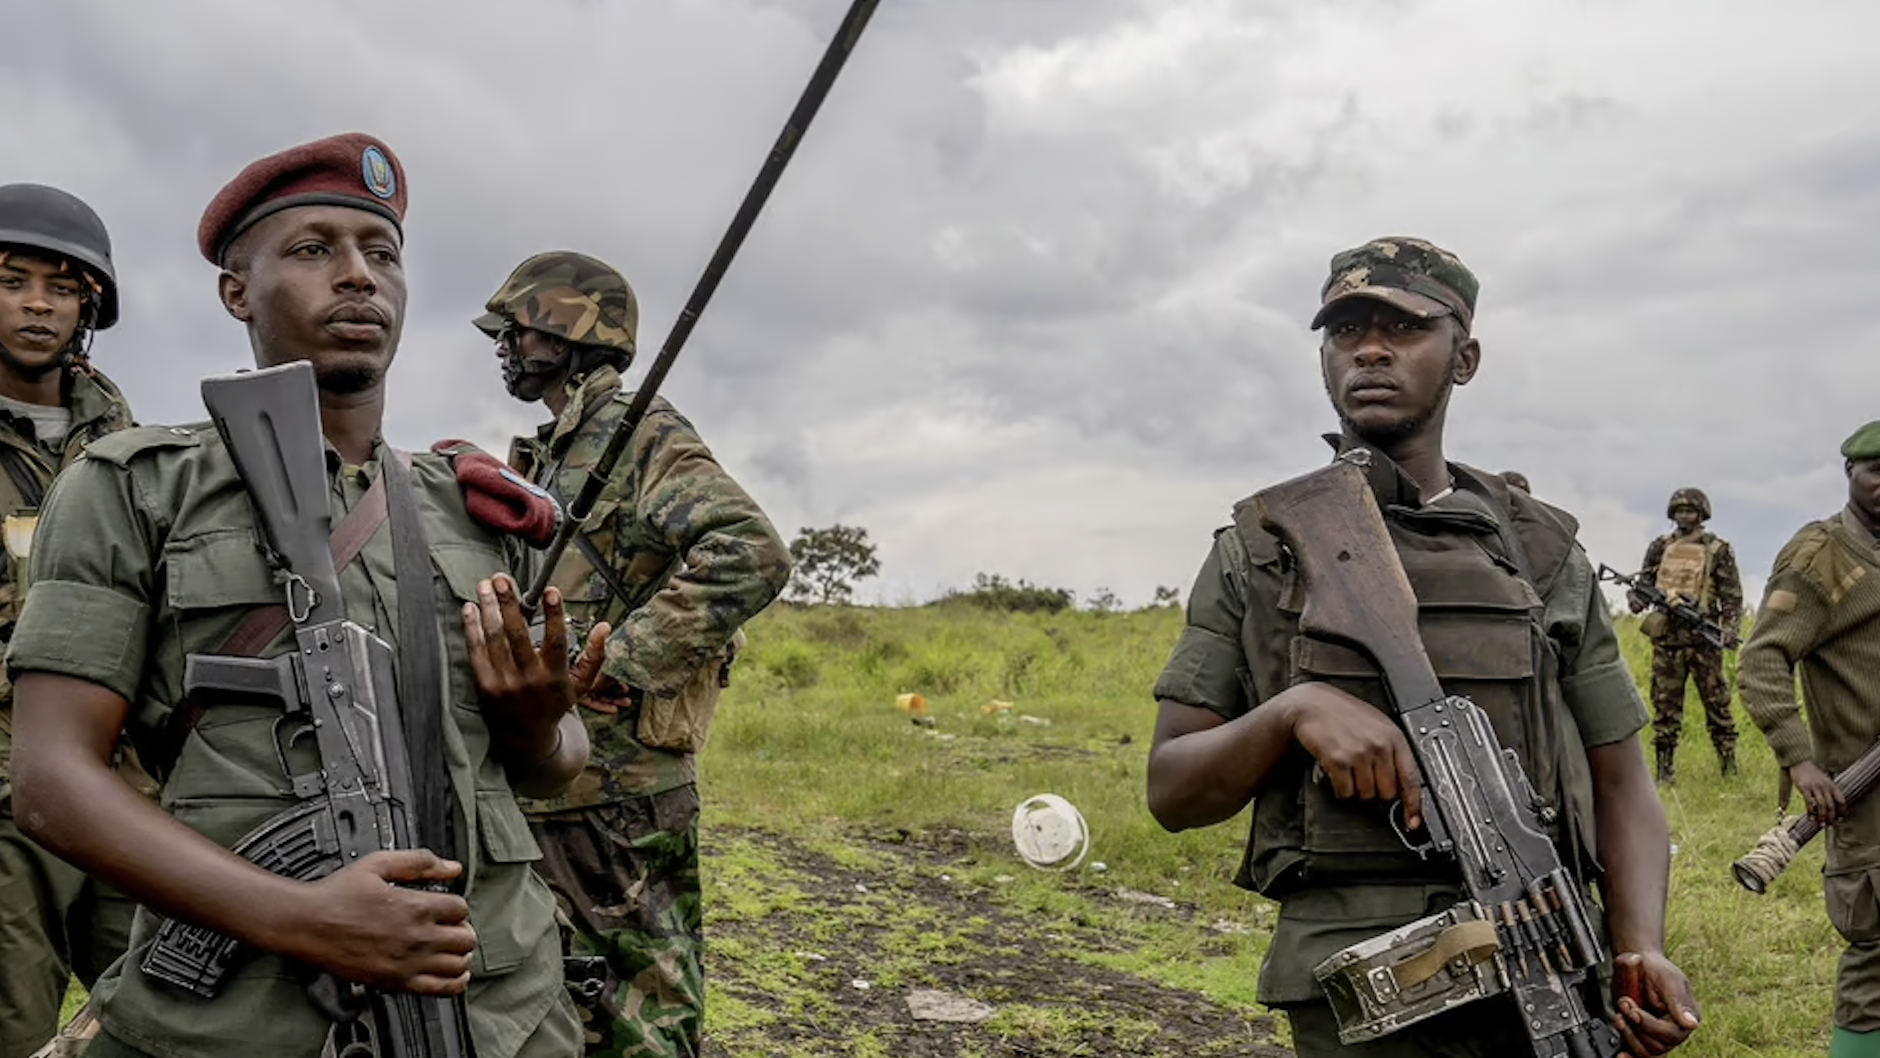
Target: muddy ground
{"x": 833, "y": 975}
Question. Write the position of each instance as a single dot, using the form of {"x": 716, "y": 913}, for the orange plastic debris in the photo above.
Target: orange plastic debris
{"x": 911, "y": 703}
{"x": 995, "y": 706}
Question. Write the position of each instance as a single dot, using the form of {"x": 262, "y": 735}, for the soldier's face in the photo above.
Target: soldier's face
{"x": 40, "y": 304}
{"x": 1687, "y": 517}
{"x": 1863, "y": 489}
{"x": 533, "y": 363}
{"x": 324, "y": 284}
{"x": 1389, "y": 373}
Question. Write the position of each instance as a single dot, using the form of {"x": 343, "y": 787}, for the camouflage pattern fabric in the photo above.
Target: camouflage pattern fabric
{"x": 1413, "y": 275}
{"x": 697, "y": 557}
{"x": 626, "y": 878}
{"x": 1701, "y": 664}
{"x": 569, "y": 295}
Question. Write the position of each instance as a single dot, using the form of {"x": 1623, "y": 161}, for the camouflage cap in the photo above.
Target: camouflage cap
{"x": 1688, "y": 496}
{"x": 1863, "y": 444}
{"x": 569, "y": 295}
{"x": 1416, "y": 276}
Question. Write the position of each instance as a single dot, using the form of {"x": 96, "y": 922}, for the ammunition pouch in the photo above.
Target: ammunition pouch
{"x": 680, "y": 723}
{"x": 1414, "y": 972}
{"x": 1654, "y": 625}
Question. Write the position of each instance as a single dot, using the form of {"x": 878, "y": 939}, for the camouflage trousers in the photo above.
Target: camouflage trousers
{"x": 626, "y": 878}
{"x": 1672, "y": 665}
{"x": 55, "y": 923}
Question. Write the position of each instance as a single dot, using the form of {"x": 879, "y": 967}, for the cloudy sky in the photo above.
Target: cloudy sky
{"x": 1032, "y": 298}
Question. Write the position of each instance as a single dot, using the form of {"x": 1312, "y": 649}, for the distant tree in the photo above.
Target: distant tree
{"x": 1103, "y": 601}
{"x": 991, "y": 591}
{"x": 829, "y": 562}
{"x": 1166, "y": 597}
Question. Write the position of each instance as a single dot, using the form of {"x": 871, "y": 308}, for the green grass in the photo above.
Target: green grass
{"x": 809, "y": 745}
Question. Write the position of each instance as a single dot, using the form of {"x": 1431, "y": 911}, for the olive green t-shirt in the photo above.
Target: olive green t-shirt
{"x": 146, "y": 554}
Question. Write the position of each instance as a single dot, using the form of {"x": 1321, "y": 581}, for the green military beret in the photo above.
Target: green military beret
{"x": 1863, "y": 444}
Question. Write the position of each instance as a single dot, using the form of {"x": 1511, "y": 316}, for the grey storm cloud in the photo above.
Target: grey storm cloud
{"x": 1046, "y": 264}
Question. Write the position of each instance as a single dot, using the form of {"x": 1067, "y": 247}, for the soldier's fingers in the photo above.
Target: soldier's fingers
{"x": 428, "y": 984}
{"x": 1409, "y": 785}
{"x": 554, "y": 632}
{"x": 1340, "y": 778}
{"x": 495, "y": 640}
{"x": 587, "y": 670}
{"x": 515, "y": 623}
{"x": 473, "y": 638}
{"x": 1366, "y": 781}
{"x": 411, "y": 865}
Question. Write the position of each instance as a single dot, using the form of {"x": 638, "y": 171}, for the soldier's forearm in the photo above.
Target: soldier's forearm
{"x": 1634, "y": 845}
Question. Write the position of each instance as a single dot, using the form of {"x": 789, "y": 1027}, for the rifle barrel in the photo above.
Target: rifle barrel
{"x": 794, "y": 128}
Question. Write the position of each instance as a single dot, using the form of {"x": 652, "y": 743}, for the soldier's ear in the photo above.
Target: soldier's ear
{"x": 1467, "y": 360}
{"x": 233, "y": 288}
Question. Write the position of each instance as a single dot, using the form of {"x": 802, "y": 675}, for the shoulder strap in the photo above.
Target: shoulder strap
{"x": 420, "y": 664}
{"x": 14, "y": 461}
{"x": 260, "y": 627}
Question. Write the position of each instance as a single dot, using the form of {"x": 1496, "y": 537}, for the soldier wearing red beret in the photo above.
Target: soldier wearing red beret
{"x": 149, "y": 547}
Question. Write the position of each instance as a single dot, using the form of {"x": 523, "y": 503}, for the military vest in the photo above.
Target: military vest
{"x": 1480, "y": 579}
{"x": 1684, "y": 568}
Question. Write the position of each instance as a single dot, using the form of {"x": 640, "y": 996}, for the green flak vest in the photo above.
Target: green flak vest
{"x": 1481, "y": 622}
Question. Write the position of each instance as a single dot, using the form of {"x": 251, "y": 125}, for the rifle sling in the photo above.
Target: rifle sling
{"x": 420, "y": 666}
{"x": 262, "y": 625}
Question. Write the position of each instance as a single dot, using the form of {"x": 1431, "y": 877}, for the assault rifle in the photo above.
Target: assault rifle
{"x": 1522, "y": 928}
{"x": 1677, "y": 608}
{"x": 1778, "y": 848}
{"x": 337, "y": 688}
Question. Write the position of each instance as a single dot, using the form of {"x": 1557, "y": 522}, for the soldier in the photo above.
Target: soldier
{"x": 57, "y": 289}
{"x": 1252, "y": 711}
{"x": 1694, "y": 565}
{"x": 148, "y": 547}
{"x": 677, "y": 558}
{"x": 1821, "y": 612}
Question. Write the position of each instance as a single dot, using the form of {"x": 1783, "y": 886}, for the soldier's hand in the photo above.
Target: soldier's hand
{"x": 525, "y": 688}
{"x": 1635, "y": 602}
{"x": 1827, "y": 805}
{"x": 360, "y": 924}
{"x": 1657, "y": 1010}
{"x": 1362, "y": 752}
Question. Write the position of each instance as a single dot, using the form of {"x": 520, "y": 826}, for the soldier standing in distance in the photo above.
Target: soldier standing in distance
{"x": 677, "y": 557}
{"x": 1821, "y": 612}
{"x": 147, "y": 548}
{"x": 1250, "y": 710}
{"x": 1696, "y": 565}
{"x": 57, "y": 289}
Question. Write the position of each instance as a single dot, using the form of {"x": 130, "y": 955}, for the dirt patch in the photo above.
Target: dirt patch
{"x": 840, "y": 968}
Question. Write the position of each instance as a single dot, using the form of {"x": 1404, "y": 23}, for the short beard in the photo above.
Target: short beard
{"x": 348, "y": 379}
{"x": 1387, "y": 437}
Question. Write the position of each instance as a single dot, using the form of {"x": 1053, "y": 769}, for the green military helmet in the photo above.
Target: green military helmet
{"x": 1689, "y": 497}
{"x": 569, "y": 295}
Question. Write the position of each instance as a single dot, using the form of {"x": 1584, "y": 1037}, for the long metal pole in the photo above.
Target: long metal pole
{"x": 780, "y": 153}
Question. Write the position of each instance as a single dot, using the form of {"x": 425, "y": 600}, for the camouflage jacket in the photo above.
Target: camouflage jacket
{"x": 695, "y": 553}
{"x": 97, "y": 409}
{"x": 1723, "y": 596}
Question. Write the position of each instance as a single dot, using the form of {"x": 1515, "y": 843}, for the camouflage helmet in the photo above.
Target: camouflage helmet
{"x": 1688, "y": 497}
{"x": 569, "y": 295}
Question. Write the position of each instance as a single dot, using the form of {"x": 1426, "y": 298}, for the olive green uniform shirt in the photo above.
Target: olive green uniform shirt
{"x": 1209, "y": 668}
{"x": 1821, "y": 613}
{"x": 695, "y": 553}
{"x": 97, "y": 409}
{"x": 147, "y": 554}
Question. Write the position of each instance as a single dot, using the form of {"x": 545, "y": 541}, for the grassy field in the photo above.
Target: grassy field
{"x": 814, "y": 778}
{"x": 853, "y": 855}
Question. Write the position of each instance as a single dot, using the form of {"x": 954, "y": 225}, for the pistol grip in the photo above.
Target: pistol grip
{"x": 251, "y": 681}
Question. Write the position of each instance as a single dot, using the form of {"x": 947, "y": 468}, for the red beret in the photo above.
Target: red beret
{"x": 352, "y": 169}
